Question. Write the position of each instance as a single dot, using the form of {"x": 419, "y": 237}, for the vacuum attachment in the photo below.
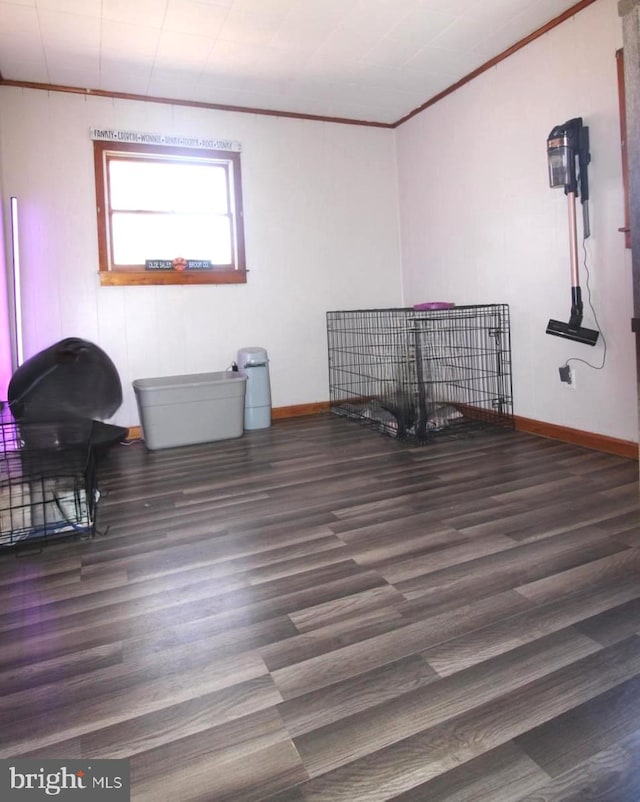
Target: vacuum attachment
{"x": 569, "y": 332}
{"x": 573, "y": 330}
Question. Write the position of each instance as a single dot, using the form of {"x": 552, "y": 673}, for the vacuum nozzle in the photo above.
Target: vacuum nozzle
{"x": 573, "y": 330}
{"x": 576, "y": 333}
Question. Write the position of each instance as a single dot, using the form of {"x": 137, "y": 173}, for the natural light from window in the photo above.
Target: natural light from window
{"x": 161, "y": 210}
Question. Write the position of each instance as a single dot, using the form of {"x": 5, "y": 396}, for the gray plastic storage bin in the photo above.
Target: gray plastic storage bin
{"x": 195, "y": 408}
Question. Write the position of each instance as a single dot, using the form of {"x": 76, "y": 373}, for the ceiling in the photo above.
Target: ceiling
{"x": 371, "y": 60}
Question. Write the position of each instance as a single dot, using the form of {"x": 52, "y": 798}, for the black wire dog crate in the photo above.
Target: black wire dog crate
{"x": 47, "y": 480}
{"x": 413, "y": 374}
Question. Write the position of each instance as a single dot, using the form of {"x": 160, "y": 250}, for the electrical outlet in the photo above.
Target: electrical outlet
{"x": 568, "y": 376}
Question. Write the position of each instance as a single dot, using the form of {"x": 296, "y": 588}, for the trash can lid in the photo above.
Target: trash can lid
{"x": 251, "y": 355}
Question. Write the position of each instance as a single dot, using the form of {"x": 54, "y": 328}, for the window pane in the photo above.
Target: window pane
{"x": 166, "y": 186}
{"x": 137, "y": 237}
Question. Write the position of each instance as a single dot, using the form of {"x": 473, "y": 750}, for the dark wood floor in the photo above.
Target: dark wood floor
{"x": 318, "y": 612}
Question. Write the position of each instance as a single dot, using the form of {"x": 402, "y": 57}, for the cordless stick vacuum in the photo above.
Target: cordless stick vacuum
{"x": 567, "y": 144}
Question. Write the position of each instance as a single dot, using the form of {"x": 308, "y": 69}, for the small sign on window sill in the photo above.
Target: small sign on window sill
{"x": 179, "y": 264}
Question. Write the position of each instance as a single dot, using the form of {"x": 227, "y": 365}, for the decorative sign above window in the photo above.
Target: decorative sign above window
{"x": 167, "y": 140}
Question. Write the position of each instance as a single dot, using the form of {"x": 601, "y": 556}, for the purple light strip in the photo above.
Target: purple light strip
{"x": 6, "y": 359}
{"x": 17, "y": 297}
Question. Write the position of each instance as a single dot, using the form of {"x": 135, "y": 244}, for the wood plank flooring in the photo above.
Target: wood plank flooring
{"x": 316, "y": 612}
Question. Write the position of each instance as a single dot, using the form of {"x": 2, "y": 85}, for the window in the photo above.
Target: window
{"x": 168, "y": 215}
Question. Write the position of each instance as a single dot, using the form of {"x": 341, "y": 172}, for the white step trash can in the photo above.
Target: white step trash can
{"x": 254, "y": 364}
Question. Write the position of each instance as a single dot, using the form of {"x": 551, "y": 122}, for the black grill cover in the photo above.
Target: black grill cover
{"x": 71, "y": 379}
{"x": 69, "y": 384}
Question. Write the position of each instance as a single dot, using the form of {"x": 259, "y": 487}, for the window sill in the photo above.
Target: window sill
{"x": 121, "y": 278}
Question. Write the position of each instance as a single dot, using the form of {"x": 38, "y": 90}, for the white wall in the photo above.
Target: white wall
{"x": 479, "y": 223}
{"x": 321, "y": 229}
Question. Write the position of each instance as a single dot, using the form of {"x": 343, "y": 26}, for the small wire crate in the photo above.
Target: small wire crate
{"x": 414, "y": 374}
{"x": 47, "y": 480}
